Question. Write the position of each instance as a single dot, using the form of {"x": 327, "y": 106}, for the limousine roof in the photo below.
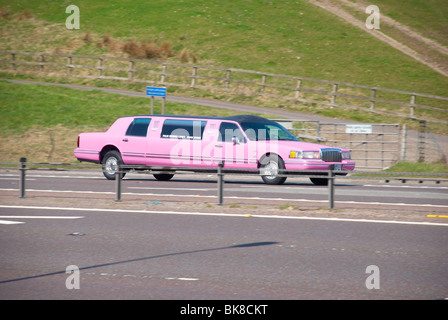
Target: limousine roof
{"x": 239, "y": 118}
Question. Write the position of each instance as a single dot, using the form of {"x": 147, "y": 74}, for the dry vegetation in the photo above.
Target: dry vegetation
{"x": 54, "y": 38}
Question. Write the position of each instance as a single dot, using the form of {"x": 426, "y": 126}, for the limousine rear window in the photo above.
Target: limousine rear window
{"x": 138, "y": 127}
{"x": 259, "y": 131}
{"x": 183, "y": 129}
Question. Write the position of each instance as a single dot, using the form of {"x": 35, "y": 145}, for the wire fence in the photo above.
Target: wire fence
{"x": 220, "y": 172}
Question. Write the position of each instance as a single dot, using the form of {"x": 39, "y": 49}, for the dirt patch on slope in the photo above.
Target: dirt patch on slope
{"x": 401, "y": 37}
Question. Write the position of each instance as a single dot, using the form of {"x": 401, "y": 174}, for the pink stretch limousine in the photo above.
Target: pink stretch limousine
{"x": 240, "y": 142}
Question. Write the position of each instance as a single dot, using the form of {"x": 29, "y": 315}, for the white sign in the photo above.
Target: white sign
{"x": 358, "y": 128}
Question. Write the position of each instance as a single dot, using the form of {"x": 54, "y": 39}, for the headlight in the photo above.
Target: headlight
{"x": 304, "y": 154}
{"x": 346, "y": 155}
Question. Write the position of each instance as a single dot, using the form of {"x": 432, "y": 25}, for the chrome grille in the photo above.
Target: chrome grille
{"x": 331, "y": 155}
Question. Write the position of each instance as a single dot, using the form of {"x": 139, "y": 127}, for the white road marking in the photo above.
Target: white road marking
{"x": 217, "y": 214}
{"x": 10, "y": 222}
{"x": 28, "y": 179}
{"x": 32, "y": 217}
{"x": 408, "y": 186}
{"x": 16, "y": 176}
{"x": 39, "y": 217}
{"x": 183, "y": 279}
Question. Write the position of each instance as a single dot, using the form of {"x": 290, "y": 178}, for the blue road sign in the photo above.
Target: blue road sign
{"x": 156, "y": 92}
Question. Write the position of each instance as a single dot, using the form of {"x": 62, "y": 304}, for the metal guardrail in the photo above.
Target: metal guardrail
{"x": 220, "y": 171}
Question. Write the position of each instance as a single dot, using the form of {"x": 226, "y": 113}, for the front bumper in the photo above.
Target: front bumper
{"x": 318, "y": 165}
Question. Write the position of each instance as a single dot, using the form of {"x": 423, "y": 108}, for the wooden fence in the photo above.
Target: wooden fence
{"x": 413, "y": 105}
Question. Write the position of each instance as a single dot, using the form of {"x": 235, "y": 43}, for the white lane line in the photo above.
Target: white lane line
{"x": 32, "y": 217}
{"x": 183, "y": 279}
{"x": 28, "y": 179}
{"x": 405, "y": 187}
{"x": 39, "y": 217}
{"x": 10, "y": 222}
{"x": 235, "y": 197}
{"x": 217, "y": 214}
{"x": 14, "y": 177}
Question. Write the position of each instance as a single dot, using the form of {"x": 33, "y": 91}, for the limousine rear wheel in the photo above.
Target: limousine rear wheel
{"x": 269, "y": 167}
{"x": 163, "y": 176}
{"x": 110, "y": 163}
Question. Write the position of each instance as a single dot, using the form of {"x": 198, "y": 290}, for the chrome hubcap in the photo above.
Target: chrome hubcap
{"x": 111, "y": 165}
{"x": 271, "y": 170}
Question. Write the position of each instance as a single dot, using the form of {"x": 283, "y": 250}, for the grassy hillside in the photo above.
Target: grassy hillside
{"x": 286, "y": 37}
{"x": 428, "y": 17}
{"x": 290, "y": 37}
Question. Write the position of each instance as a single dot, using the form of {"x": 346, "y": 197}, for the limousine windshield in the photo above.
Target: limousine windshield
{"x": 262, "y": 131}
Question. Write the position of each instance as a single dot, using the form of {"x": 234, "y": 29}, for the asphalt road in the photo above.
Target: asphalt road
{"x": 183, "y": 254}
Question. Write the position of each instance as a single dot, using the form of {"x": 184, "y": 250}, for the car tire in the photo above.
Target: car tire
{"x": 111, "y": 161}
{"x": 319, "y": 181}
{"x": 163, "y": 176}
{"x": 271, "y": 165}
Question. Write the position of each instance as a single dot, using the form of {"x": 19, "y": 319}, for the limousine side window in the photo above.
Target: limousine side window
{"x": 138, "y": 127}
{"x": 228, "y": 130}
{"x": 183, "y": 129}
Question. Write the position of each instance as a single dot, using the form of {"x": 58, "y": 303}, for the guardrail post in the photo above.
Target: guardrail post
{"x": 220, "y": 183}
{"x": 331, "y": 187}
{"x": 118, "y": 176}
{"x": 22, "y": 177}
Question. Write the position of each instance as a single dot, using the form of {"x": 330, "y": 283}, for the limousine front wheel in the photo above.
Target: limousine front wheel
{"x": 110, "y": 163}
{"x": 270, "y": 167}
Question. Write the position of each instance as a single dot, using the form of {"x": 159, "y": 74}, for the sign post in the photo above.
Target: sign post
{"x": 156, "y": 92}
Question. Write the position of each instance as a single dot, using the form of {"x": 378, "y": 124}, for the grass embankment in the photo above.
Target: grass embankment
{"x": 413, "y": 170}
{"x": 284, "y": 37}
{"x": 42, "y": 123}
{"x": 415, "y": 167}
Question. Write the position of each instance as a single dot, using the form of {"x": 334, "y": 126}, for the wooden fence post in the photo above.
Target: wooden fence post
{"x": 100, "y": 67}
{"x": 13, "y": 61}
{"x": 372, "y": 99}
{"x": 69, "y": 65}
{"x": 131, "y": 70}
{"x": 299, "y": 84}
{"x": 162, "y": 79}
{"x": 263, "y": 83}
{"x": 228, "y": 79}
{"x": 42, "y": 60}
{"x": 333, "y": 94}
{"x": 193, "y": 77}
{"x": 412, "y": 105}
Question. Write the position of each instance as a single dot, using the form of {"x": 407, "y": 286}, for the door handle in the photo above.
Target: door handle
{"x": 218, "y": 145}
{"x": 125, "y": 140}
